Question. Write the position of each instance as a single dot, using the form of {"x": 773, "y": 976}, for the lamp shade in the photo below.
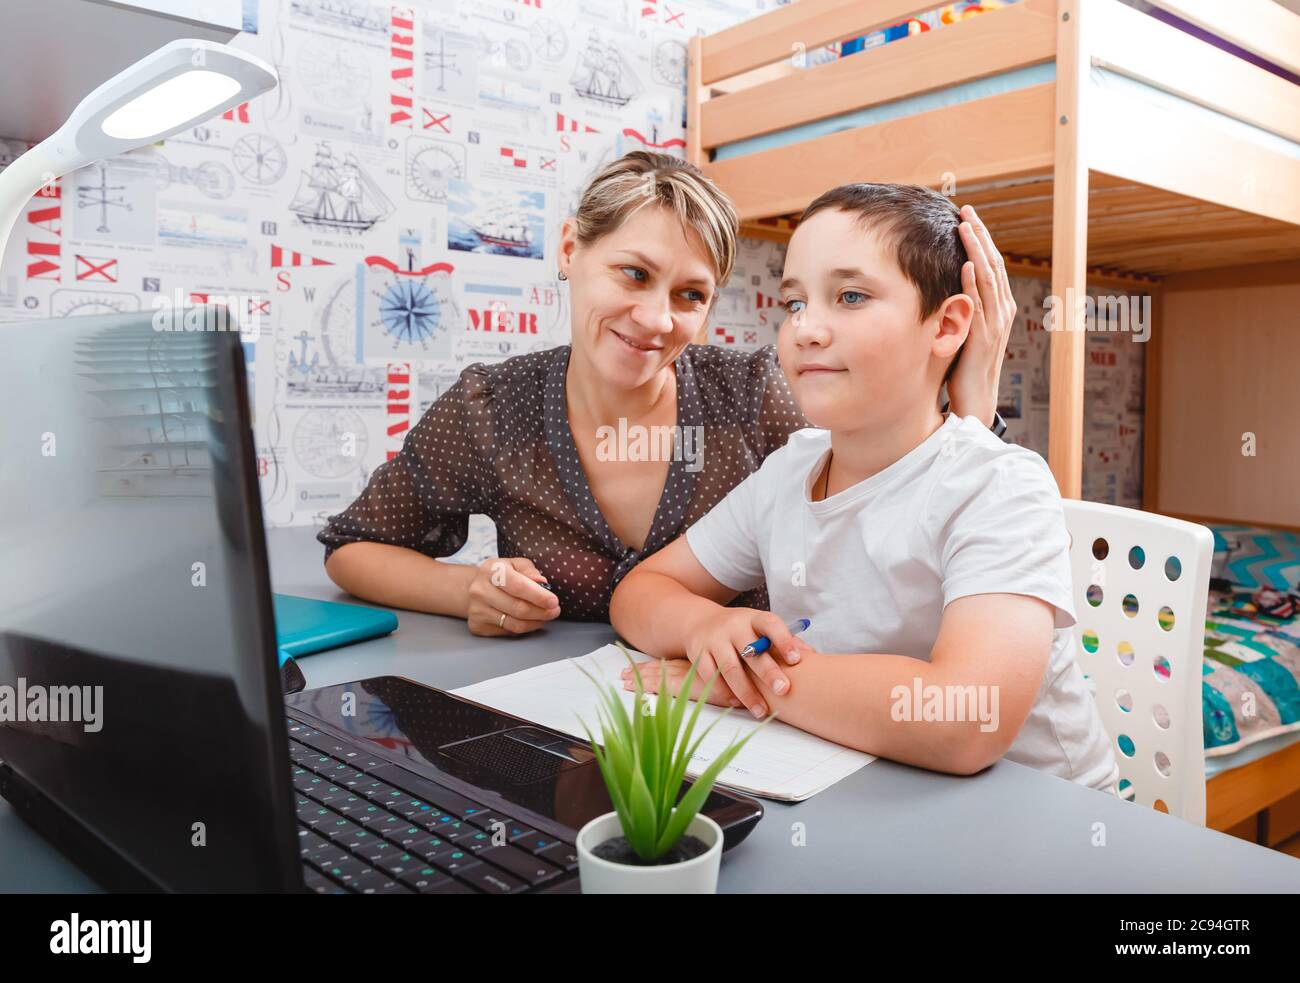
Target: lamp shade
{"x": 181, "y": 84}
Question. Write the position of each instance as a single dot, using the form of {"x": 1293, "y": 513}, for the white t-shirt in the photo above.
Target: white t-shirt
{"x": 874, "y": 566}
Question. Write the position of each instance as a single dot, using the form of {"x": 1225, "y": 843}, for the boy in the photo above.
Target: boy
{"x": 930, "y": 556}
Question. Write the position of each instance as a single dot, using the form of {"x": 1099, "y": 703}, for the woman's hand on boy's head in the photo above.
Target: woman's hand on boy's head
{"x": 973, "y": 388}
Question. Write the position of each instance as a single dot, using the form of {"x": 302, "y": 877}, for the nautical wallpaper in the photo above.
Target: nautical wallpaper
{"x": 1114, "y": 376}
{"x": 389, "y": 215}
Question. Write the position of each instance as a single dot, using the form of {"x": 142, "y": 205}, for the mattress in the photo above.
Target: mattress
{"x": 1244, "y": 756}
{"x": 1106, "y": 81}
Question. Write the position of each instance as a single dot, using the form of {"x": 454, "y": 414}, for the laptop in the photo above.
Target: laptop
{"x": 144, "y": 729}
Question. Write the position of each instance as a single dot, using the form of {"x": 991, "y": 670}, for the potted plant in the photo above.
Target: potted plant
{"x": 652, "y": 843}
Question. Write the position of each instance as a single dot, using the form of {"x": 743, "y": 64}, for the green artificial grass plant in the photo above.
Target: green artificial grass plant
{"x": 645, "y": 756}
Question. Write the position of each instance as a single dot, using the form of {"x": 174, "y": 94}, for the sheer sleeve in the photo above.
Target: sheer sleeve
{"x": 773, "y": 409}
{"x": 422, "y": 499}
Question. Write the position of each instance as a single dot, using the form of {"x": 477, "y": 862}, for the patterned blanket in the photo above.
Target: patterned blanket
{"x": 1254, "y": 556}
{"x": 1251, "y": 674}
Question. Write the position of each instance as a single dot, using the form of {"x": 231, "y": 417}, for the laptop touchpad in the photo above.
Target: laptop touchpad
{"x": 520, "y": 754}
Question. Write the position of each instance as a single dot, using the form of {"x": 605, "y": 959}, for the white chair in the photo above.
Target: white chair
{"x": 1141, "y": 583}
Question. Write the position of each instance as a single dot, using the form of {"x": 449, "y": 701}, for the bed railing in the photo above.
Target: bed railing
{"x": 751, "y": 96}
{"x": 745, "y": 82}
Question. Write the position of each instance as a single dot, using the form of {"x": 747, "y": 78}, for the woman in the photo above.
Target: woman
{"x": 527, "y": 441}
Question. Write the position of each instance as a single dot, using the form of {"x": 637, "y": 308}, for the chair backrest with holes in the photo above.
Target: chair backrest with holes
{"x": 1140, "y": 587}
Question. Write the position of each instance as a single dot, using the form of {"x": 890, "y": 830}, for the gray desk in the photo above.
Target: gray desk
{"x": 887, "y": 828}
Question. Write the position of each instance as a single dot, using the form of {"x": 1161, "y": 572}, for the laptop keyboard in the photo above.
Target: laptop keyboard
{"x": 397, "y": 833}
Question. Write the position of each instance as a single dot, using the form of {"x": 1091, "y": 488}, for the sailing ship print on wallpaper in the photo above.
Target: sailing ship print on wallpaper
{"x": 603, "y": 76}
{"x": 500, "y": 221}
{"x": 338, "y": 195}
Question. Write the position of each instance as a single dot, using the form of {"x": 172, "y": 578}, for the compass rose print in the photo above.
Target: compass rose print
{"x": 409, "y": 312}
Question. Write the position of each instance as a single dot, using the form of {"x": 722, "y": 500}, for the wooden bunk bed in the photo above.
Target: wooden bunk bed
{"x": 1101, "y": 145}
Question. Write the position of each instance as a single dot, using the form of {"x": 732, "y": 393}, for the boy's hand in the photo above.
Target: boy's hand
{"x": 715, "y": 647}
{"x": 674, "y": 675}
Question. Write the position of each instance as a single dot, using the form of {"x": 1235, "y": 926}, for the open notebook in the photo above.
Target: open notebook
{"x": 781, "y": 762}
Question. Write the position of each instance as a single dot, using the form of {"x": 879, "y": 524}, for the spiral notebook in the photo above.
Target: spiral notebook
{"x": 781, "y": 762}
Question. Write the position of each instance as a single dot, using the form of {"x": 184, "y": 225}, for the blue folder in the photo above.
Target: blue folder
{"x": 304, "y": 625}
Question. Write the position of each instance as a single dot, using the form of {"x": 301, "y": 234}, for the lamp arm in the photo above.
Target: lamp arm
{"x": 38, "y": 167}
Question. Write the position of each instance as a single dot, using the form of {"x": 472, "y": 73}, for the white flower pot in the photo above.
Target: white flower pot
{"x": 699, "y": 875}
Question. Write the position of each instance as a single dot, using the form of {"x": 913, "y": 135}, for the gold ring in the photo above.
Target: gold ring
{"x": 502, "y": 622}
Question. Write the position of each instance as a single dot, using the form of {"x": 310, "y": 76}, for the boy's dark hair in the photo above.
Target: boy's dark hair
{"x": 921, "y": 224}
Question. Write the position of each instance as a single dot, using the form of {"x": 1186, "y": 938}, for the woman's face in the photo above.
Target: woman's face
{"x": 640, "y": 294}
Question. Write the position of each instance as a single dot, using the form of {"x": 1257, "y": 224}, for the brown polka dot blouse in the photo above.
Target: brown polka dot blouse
{"x": 498, "y": 443}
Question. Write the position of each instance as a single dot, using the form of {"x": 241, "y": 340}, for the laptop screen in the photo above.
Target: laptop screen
{"x": 139, "y": 688}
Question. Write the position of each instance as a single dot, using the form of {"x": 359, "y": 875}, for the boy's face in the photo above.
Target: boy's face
{"x": 853, "y": 345}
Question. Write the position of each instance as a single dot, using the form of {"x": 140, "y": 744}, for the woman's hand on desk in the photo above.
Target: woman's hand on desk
{"x": 973, "y": 388}
{"x": 505, "y": 599}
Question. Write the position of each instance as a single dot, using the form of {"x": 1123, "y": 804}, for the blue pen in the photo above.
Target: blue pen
{"x": 761, "y": 644}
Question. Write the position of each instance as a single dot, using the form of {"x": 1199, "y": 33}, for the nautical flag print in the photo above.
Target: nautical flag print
{"x": 291, "y": 257}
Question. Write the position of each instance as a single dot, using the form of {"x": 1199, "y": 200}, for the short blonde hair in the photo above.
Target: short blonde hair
{"x": 638, "y": 178}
